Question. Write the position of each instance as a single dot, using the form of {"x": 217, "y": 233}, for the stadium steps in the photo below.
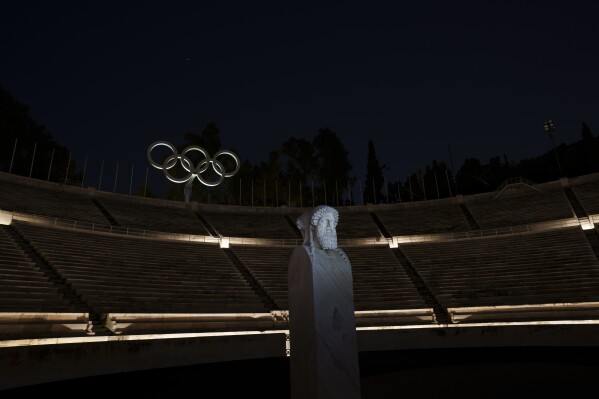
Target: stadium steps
{"x": 251, "y": 280}
{"x": 591, "y": 235}
{"x": 575, "y": 204}
{"x": 269, "y": 266}
{"x": 473, "y": 223}
{"x": 298, "y": 233}
{"x": 129, "y": 275}
{"x": 137, "y": 214}
{"x": 265, "y": 298}
{"x": 380, "y": 282}
{"x": 106, "y": 214}
{"x": 588, "y": 195}
{"x": 383, "y": 230}
{"x": 441, "y": 314}
{"x": 207, "y": 225}
{"x": 249, "y": 224}
{"x": 540, "y": 267}
{"x": 62, "y": 286}
{"x": 442, "y": 216}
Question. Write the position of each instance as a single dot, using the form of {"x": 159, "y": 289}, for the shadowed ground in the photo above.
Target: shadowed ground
{"x": 467, "y": 373}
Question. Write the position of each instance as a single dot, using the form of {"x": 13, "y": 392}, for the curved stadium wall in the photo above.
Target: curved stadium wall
{"x": 96, "y": 283}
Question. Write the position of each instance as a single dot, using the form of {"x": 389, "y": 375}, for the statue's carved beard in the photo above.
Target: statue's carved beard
{"x": 327, "y": 238}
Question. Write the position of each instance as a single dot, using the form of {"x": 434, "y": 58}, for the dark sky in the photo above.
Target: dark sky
{"x": 109, "y": 78}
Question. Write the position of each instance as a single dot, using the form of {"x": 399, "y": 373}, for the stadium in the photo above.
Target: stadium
{"x": 476, "y": 296}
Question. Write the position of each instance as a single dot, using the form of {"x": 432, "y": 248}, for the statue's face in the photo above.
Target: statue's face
{"x": 325, "y": 230}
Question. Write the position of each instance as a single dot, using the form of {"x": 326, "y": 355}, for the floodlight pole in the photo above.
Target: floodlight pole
{"x": 13, "y": 155}
{"x": 550, "y": 128}
{"x": 50, "y": 168}
{"x": 32, "y": 158}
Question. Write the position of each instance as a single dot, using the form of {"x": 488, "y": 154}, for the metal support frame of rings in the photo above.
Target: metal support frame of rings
{"x": 187, "y": 164}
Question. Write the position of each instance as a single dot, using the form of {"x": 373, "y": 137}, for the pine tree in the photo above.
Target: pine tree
{"x": 374, "y": 177}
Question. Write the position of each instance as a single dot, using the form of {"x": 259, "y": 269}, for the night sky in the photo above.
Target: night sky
{"x": 109, "y": 78}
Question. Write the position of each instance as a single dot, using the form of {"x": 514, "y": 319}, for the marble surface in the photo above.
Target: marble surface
{"x": 324, "y": 355}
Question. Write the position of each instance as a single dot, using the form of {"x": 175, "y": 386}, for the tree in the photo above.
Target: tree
{"x": 300, "y": 159}
{"x": 268, "y": 181}
{"x": 33, "y": 142}
{"x": 208, "y": 139}
{"x": 333, "y": 165}
{"x": 470, "y": 177}
{"x": 586, "y": 133}
{"x": 587, "y": 151}
{"x": 374, "y": 176}
{"x": 436, "y": 178}
{"x": 300, "y": 167}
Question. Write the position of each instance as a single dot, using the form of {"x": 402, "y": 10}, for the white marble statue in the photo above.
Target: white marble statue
{"x": 324, "y": 355}
{"x": 319, "y": 229}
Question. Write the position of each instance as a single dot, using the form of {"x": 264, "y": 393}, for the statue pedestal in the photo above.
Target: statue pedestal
{"x": 322, "y": 326}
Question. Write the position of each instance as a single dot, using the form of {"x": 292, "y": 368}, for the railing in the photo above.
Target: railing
{"x": 515, "y": 180}
{"x": 6, "y": 217}
{"x": 536, "y": 227}
{"x": 100, "y": 228}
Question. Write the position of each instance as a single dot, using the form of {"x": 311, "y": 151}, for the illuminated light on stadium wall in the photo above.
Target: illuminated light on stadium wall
{"x": 224, "y": 242}
{"x": 5, "y": 218}
{"x": 586, "y": 223}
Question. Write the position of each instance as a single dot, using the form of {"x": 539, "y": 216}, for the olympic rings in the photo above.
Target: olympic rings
{"x": 187, "y": 164}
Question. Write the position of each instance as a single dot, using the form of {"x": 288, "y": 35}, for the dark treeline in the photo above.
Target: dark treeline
{"x": 33, "y": 142}
{"x": 300, "y": 172}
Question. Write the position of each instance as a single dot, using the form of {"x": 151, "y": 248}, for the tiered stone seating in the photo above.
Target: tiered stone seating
{"x": 356, "y": 225}
{"x": 533, "y": 268}
{"x": 379, "y": 280}
{"x": 49, "y": 199}
{"x": 113, "y": 273}
{"x": 23, "y": 287}
{"x": 516, "y": 210}
{"x": 428, "y": 217}
{"x": 250, "y": 224}
{"x": 588, "y": 196}
{"x": 142, "y": 215}
{"x": 268, "y": 265}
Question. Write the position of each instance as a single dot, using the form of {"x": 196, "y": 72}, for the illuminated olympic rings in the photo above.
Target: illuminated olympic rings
{"x": 194, "y": 171}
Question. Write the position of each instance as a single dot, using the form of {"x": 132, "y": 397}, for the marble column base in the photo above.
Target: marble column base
{"x": 324, "y": 352}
